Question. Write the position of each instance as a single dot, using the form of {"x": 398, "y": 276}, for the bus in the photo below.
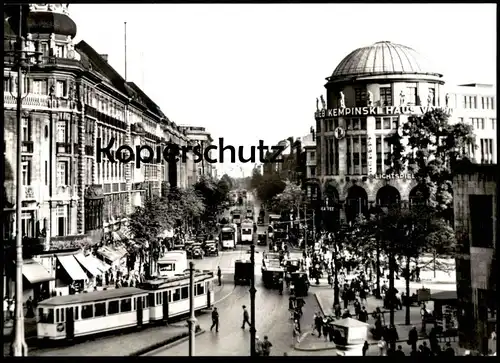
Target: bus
{"x": 228, "y": 236}
{"x": 236, "y": 216}
{"x": 247, "y": 231}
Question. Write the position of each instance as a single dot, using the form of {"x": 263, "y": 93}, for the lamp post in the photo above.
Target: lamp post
{"x": 192, "y": 318}
{"x": 252, "y": 302}
{"x": 19, "y": 347}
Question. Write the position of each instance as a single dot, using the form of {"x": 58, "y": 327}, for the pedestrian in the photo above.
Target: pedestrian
{"x": 382, "y": 347}
{"x": 30, "y": 308}
{"x": 399, "y": 352}
{"x": 280, "y": 285}
{"x": 318, "y": 321}
{"x": 6, "y": 308}
{"x": 215, "y": 320}
{"x": 365, "y": 348}
{"x": 449, "y": 351}
{"x": 296, "y": 334}
{"x": 12, "y": 307}
{"x": 266, "y": 347}
{"x": 258, "y": 346}
{"x": 413, "y": 338}
{"x": 219, "y": 275}
{"x": 246, "y": 318}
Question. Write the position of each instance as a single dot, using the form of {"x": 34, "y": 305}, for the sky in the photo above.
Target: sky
{"x": 250, "y": 72}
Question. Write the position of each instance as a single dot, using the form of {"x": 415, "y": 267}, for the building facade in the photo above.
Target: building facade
{"x": 200, "y": 166}
{"x": 370, "y": 94}
{"x": 475, "y": 206}
{"x": 76, "y": 103}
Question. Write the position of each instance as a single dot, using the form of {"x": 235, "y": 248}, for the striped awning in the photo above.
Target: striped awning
{"x": 88, "y": 264}
{"x": 112, "y": 253}
{"x": 72, "y": 267}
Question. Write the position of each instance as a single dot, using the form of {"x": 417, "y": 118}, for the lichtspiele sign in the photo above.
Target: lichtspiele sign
{"x": 377, "y": 110}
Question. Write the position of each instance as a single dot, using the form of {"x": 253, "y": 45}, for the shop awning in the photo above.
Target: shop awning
{"x": 112, "y": 254}
{"x": 70, "y": 264}
{"x": 87, "y": 264}
{"x": 35, "y": 273}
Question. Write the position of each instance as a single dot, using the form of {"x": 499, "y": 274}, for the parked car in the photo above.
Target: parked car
{"x": 196, "y": 251}
{"x": 211, "y": 248}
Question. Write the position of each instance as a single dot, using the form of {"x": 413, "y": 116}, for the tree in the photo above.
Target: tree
{"x": 214, "y": 196}
{"x": 291, "y": 198}
{"x": 184, "y": 205}
{"x": 228, "y": 180}
{"x": 433, "y": 147}
{"x": 266, "y": 186}
{"x": 407, "y": 233}
{"x": 146, "y": 224}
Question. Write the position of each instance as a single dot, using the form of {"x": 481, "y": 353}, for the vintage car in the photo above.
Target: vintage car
{"x": 211, "y": 248}
{"x": 299, "y": 285}
{"x": 243, "y": 271}
{"x": 196, "y": 251}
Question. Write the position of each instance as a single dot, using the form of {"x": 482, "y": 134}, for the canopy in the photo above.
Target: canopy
{"x": 88, "y": 264}
{"x": 70, "y": 264}
{"x": 35, "y": 273}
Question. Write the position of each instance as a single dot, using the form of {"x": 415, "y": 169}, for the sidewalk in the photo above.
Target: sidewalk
{"x": 325, "y": 301}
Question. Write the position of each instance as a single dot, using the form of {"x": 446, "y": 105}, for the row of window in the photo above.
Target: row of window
{"x": 125, "y": 305}
{"x": 410, "y": 96}
{"x": 479, "y": 123}
{"x": 359, "y": 123}
{"x": 471, "y": 102}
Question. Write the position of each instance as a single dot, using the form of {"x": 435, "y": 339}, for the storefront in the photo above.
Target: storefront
{"x": 36, "y": 281}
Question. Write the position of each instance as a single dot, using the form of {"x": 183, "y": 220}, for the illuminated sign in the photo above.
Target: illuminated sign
{"x": 376, "y": 110}
{"x": 339, "y": 133}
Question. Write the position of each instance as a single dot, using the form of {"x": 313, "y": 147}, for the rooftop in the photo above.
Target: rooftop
{"x": 383, "y": 57}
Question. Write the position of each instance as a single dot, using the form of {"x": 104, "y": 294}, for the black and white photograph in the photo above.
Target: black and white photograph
{"x": 215, "y": 179}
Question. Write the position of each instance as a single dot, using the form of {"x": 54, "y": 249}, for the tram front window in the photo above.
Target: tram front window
{"x": 46, "y": 315}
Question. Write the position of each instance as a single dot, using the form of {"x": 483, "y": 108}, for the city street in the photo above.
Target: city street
{"x": 272, "y": 319}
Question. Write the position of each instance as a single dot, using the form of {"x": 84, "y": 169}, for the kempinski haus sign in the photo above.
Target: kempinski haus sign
{"x": 379, "y": 111}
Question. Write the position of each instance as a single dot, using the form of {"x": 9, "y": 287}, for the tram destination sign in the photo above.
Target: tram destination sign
{"x": 379, "y": 111}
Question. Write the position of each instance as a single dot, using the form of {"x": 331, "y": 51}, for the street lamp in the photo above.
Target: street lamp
{"x": 252, "y": 302}
{"x": 19, "y": 347}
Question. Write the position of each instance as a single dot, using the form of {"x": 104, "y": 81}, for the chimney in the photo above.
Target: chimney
{"x": 104, "y": 56}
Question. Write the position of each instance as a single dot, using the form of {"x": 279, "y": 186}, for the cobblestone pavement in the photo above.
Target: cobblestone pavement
{"x": 272, "y": 319}
{"x": 123, "y": 344}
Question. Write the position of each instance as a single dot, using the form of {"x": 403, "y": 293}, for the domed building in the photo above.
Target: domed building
{"x": 369, "y": 95}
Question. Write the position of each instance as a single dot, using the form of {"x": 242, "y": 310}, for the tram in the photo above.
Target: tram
{"x": 71, "y": 316}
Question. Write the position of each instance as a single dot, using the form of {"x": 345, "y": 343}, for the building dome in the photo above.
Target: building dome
{"x": 383, "y": 58}
{"x": 43, "y": 19}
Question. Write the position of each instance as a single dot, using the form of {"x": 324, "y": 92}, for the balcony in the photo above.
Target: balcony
{"x": 31, "y": 100}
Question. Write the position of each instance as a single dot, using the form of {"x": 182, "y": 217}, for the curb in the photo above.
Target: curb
{"x": 296, "y": 346}
{"x": 320, "y": 303}
{"x": 166, "y": 344}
